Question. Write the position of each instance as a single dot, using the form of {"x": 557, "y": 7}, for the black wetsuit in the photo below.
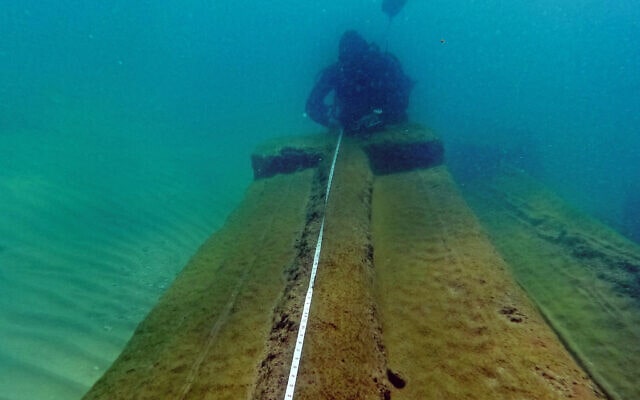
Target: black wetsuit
{"x": 371, "y": 90}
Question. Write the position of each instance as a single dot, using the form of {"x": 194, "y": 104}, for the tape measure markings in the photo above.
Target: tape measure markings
{"x": 304, "y": 319}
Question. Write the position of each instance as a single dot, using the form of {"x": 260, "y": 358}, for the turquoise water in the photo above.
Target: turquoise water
{"x": 98, "y": 217}
{"x": 126, "y": 129}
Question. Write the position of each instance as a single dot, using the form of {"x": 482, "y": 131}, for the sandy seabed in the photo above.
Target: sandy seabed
{"x": 94, "y": 228}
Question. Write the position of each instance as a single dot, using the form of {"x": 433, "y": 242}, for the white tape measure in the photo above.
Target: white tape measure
{"x": 297, "y": 352}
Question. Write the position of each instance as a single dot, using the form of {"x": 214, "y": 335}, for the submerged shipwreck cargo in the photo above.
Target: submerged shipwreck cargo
{"x": 410, "y": 299}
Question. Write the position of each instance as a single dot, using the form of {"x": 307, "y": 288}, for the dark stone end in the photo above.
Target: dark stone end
{"x": 389, "y": 157}
{"x": 288, "y": 160}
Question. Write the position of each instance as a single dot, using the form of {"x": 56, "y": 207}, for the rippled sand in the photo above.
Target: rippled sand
{"x": 95, "y": 224}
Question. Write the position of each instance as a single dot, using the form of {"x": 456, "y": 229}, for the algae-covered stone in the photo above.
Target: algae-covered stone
{"x": 411, "y": 300}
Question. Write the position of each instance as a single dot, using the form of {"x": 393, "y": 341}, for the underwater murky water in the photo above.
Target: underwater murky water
{"x": 126, "y": 129}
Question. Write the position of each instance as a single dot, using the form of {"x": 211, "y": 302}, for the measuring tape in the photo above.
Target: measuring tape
{"x": 297, "y": 352}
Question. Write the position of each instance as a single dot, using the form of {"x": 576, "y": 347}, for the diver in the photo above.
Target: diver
{"x": 370, "y": 89}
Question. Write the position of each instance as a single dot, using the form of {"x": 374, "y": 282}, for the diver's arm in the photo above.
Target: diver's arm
{"x": 316, "y": 108}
